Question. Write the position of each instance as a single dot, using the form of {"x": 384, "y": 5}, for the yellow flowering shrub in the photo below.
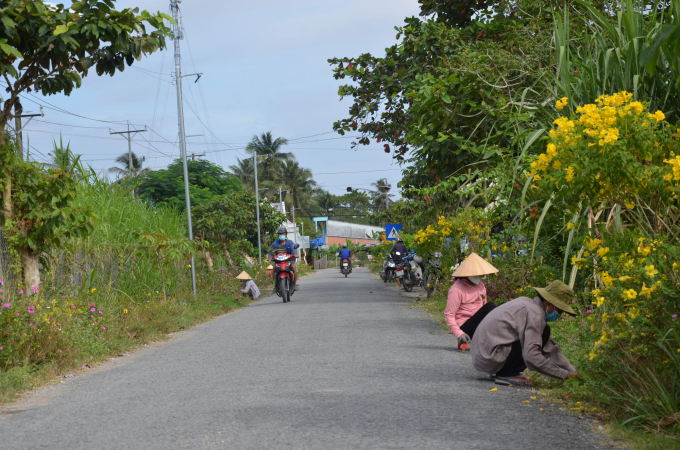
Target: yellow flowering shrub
{"x": 613, "y": 150}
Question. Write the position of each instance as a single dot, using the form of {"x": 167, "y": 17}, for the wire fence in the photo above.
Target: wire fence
{"x": 6, "y": 272}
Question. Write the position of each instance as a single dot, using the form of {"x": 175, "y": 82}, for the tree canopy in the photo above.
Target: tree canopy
{"x": 207, "y": 181}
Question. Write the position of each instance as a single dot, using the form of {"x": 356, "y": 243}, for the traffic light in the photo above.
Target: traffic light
{"x": 349, "y": 189}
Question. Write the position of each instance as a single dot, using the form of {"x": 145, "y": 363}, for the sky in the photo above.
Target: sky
{"x": 265, "y": 68}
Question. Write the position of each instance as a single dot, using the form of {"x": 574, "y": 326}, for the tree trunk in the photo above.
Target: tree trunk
{"x": 209, "y": 261}
{"x": 228, "y": 256}
{"x": 7, "y": 188}
{"x": 30, "y": 261}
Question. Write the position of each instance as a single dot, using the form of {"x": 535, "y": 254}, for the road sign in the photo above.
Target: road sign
{"x": 392, "y": 230}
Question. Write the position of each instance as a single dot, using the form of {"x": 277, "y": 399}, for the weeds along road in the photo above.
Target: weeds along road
{"x": 337, "y": 368}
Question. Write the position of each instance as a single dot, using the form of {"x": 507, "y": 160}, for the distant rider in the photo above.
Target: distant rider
{"x": 345, "y": 253}
{"x": 284, "y": 245}
{"x": 398, "y": 252}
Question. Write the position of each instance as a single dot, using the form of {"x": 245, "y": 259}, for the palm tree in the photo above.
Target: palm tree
{"x": 298, "y": 181}
{"x": 269, "y": 151}
{"x": 326, "y": 201}
{"x": 245, "y": 171}
{"x": 126, "y": 170}
{"x": 381, "y": 195}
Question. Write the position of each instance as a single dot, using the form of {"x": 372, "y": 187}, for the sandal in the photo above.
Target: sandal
{"x": 513, "y": 381}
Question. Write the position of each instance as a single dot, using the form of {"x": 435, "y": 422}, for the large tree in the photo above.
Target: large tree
{"x": 48, "y": 49}
{"x": 299, "y": 183}
{"x": 207, "y": 181}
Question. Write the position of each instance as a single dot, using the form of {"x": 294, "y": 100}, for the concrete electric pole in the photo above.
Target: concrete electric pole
{"x": 178, "y": 30}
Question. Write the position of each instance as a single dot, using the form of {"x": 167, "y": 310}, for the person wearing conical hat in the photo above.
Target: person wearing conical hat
{"x": 466, "y": 305}
{"x": 270, "y": 270}
{"x": 516, "y": 335}
{"x": 248, "y": 286}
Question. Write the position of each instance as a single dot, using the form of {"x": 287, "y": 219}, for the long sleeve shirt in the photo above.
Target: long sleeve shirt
{"x": 251, "y": 288}
{"x": 523, "y": 320}
{"x": 464, "y": 300}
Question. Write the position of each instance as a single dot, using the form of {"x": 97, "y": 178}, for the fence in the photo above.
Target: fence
{"x": 322, "y": 263}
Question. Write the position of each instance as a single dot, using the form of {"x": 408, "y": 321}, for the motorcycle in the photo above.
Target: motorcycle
{"x": 345, "y": 267}
{"x": 412, "y": 272}
{"x": 387, "y": 273}
{"x": 285, "y": 277}
{"x": 432, "y": 273}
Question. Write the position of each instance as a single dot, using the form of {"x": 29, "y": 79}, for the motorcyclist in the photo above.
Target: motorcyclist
{"x": 345, "y": 253}
{"x": 284, "y": 245}
{"x": 398, "y": 252}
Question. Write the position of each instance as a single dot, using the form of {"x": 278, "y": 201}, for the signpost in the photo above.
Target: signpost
{"x": 392, "y": 230}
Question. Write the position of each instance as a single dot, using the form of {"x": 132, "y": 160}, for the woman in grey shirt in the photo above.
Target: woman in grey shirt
{"x": 516, "y": 335}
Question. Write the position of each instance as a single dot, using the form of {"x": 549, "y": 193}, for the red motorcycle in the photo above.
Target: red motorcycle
{"x": 285, "y": 277}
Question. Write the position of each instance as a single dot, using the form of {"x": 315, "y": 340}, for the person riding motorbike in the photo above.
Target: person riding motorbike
{"x": 345, "y": 253}
{"x": 283, "y": 245}
{"x": 398, "y": 252}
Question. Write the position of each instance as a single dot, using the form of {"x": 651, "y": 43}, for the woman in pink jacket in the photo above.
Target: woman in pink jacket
{"x": 466, "y": 305}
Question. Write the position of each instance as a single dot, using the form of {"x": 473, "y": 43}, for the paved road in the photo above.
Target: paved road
{"x": 346, "y": 365}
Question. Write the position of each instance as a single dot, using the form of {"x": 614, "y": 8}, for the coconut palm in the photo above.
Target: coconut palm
{"x": 326, "y": 201}
{"x": 126, "y": 170}
{"x": 244, "y": 170}
{"x": 298, "y": 181}
{"x": 270, "y": 155}
{"x": 381, "y": 195}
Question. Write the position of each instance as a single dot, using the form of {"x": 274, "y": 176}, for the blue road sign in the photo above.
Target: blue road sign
{"x": 392, "y": 231}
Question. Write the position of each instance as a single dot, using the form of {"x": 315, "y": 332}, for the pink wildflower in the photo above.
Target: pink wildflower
{"x": 674, "y": 316}
{"x": 6, "y": 305}
{"x": 91, "y": 304}
{"x": 2, "y": 282}
{"x": 40, "y": 282}
{"x": 21, "y": 292}
{"x": 101, "y": 312}
{"x": 103, "y": 328}
{"x": 92, "y": 309}
{"x": 31, "y": 325}
{"x": 31, "y": 309}
{"x": 95, "y": 323}
{"x": 73, "y": 306}
{"x": 2, "y": 298}
{"x": 35, "y": 288}
{"x": 0, "y": 347}
{"x": 63, "y": 296}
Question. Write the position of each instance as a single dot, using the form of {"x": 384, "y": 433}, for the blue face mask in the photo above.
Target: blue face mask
{"x": 553, "y": 316}
{"x": 282, "y": 237}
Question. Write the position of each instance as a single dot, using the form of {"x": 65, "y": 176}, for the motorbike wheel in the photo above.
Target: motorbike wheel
{"x": 431, "y": 282}
{"x": 406, "y": 282}
{"x": 283, "y": 288}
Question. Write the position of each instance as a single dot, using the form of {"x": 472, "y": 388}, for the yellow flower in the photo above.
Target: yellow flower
{"x": 94, "y": 290}
{"x": 675, "y": 266}
{"x": 644, "y": 250}
{"x": 561, "y": 103}
{"x": 630, "y": 294}
{"x": 570, "y": 226}
{"x": 651, "y": 271}
{"x": 606, "y": 279}
{"x": 647, "y": 291}
{"x": 600, "y": 301}
{"x": 570, "y": 173}
{"x": 593, "y": 244}
{"x": 633, "y": 313}
{"x": 624, "y": 278}
{"x": 125, "y": 311}
{"x": 602, "y": 251}
{"x": 149, "y": 294}
{"x": 629, "y": 205}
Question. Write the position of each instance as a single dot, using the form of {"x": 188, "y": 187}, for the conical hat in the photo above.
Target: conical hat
{"x": 243, "y": 276}
{"x": 270, "y": 267}
{"x": 474, "y": 265}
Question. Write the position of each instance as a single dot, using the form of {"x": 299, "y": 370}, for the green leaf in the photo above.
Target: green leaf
{"x": 538, "y": 226}
{"x": 60, "y": 29}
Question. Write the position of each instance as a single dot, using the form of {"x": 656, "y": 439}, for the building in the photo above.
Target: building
{"x": 336, "y": 232}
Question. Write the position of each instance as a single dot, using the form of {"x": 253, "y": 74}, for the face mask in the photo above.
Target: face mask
{"x": 282, "y": 237}
{"x": 476, "y": 279}
{"x": 553, "y": 316}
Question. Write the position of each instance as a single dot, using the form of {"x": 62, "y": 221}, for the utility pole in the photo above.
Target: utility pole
{"x": 129, "y": 139}
{"x": 177, "y": 29}
{"x": 18, "y": 109}
{"x": 257, "y": 208}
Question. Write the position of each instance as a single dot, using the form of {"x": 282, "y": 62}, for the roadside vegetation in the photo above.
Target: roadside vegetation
{"x": 545, "y": 138}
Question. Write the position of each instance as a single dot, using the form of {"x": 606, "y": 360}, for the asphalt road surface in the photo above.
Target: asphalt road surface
{"x": 348, "y": 364}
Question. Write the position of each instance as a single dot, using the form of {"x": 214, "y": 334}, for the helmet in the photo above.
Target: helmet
{"x": 282, "y": 230}
{"x": 344, "y": 245}
{"x": 400, "y": 239}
